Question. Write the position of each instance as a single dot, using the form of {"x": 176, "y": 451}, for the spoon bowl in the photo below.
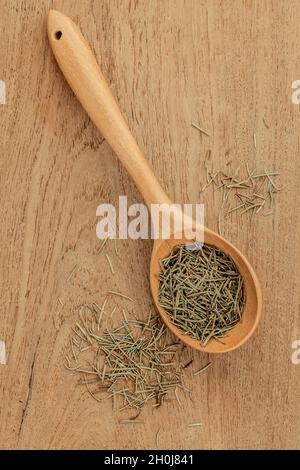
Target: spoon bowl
{"x": 241, "y": 332}
{"x": 83, "y": 74}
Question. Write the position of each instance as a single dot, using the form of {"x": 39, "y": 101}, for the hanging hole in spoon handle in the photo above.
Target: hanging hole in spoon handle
{"x": 58, "y": 35}
{"x": 80, "y": 68}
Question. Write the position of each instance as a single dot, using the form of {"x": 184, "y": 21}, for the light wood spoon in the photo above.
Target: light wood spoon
{"x": 83, "y": 74}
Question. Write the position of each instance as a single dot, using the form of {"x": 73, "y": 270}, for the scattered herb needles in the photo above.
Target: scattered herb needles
{"x": 200, "y": 129}
{"x": 253, "y": 193}
{"x": 201, "y": 291}
{"x": 200, "y": 371}
{"x": 132, "y": 363}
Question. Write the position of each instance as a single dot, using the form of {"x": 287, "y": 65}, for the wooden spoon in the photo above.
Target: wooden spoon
{"x": 83, "y": 74}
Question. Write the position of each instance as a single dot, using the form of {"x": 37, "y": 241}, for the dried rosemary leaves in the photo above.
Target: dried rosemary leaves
{"x": 202, "y": 291}
{"x": 132, "y": 363}
{"x": 252, "y": 193}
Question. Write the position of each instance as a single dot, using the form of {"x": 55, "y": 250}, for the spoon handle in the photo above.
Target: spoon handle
{"x": 79, "y": 66}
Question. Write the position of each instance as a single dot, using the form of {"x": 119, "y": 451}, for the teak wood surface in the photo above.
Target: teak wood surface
{"x": 226, "y": 66}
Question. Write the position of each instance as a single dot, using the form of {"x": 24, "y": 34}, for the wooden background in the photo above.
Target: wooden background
{"x": 223, "y": 64}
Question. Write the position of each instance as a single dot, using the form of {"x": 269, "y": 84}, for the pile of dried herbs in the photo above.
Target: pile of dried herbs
{"x": 133, "y": 362}
{"x": 202, "y": 291}
{"x": 252, "y": 193}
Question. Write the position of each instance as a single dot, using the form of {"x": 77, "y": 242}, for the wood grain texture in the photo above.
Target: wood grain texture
{"x": 225, "y": 65}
